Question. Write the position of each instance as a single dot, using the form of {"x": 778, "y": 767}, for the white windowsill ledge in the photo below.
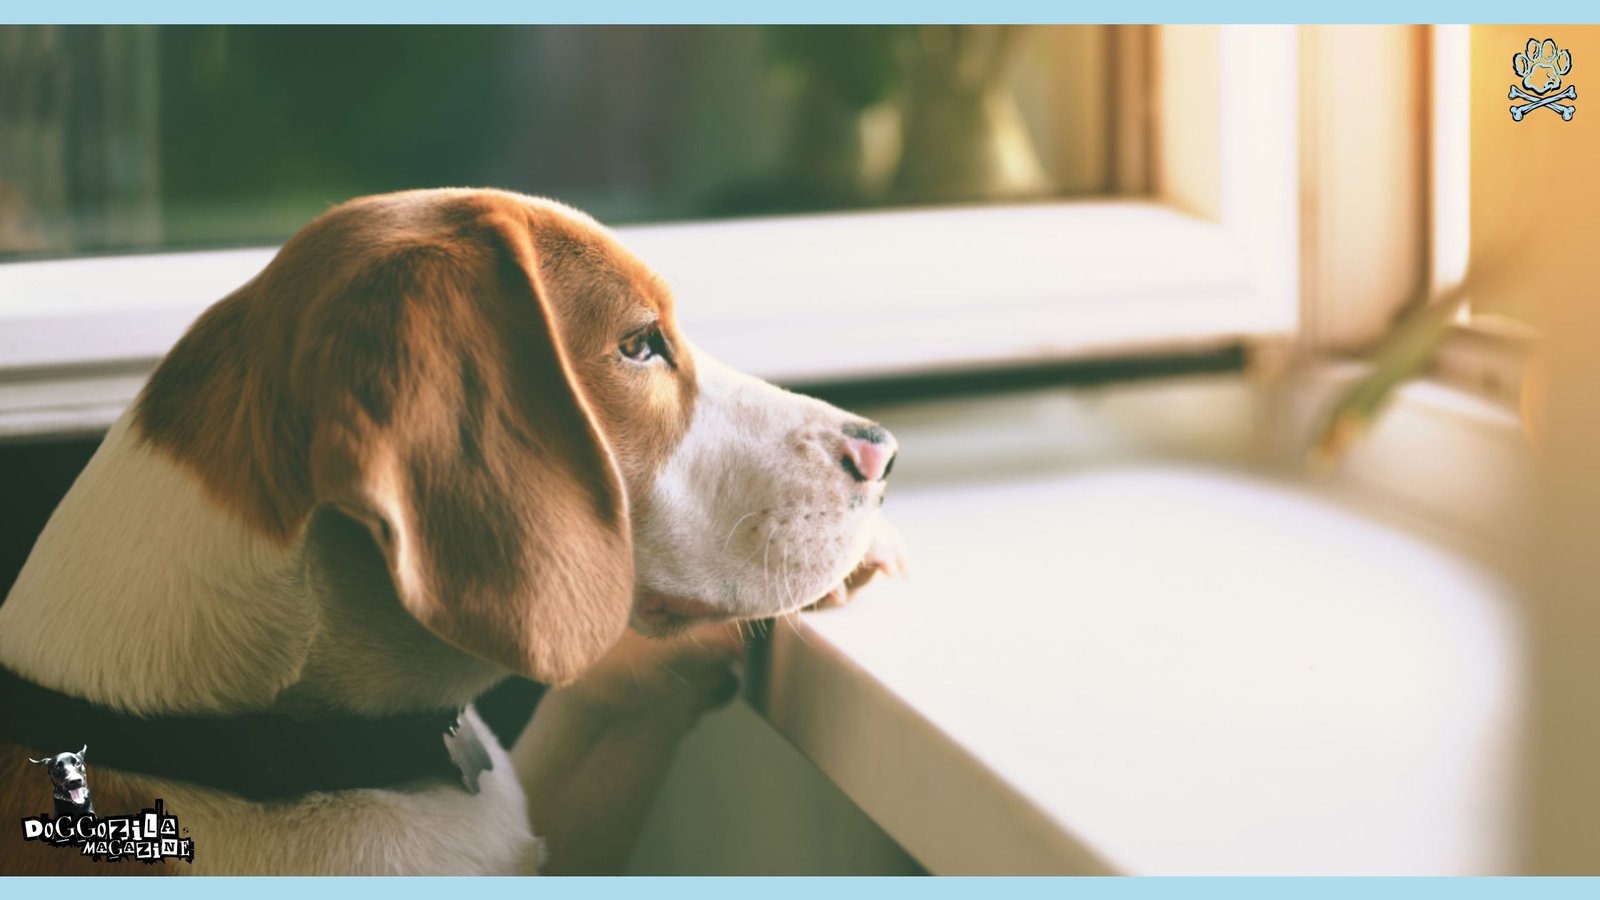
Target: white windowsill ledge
{"x": 1163, "y": 670}
{"x": 795, "y": 299}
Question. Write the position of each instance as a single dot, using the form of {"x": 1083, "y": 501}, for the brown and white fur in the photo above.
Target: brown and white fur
{"x": 443, "y": 436}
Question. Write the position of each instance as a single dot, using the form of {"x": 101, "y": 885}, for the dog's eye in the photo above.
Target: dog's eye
{"x": 643, "y": 346}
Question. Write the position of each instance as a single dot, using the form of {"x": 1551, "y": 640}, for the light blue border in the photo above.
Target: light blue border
{"x": 709, "y": 11}
{"x": 813, "y": 888}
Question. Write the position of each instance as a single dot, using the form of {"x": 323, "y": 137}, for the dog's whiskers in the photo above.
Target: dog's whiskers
{"x": 674, "y": 673}
{"x": 729, "y": 539}
{"x": 766, "y": 552}
{"x": 788, "y": 591}
{"x": 789, "y": 618}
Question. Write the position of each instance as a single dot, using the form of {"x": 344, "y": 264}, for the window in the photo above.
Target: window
{"x": 142, "y": 137}
{"x": 1499, "y": 219}
{"x": 1424, "y": 225}
{"x": 1117, "y": 176}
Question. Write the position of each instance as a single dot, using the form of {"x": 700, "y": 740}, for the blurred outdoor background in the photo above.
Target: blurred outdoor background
{"x": 118, "y": 138}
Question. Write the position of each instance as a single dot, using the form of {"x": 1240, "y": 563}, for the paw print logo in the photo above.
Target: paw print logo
{"x": 1541, "y": 66}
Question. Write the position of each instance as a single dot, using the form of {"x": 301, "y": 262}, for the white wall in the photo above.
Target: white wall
{"x": 741, "y": 801}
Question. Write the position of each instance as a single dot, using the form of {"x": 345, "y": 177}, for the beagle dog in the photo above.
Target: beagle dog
{"x": 444, "y": 436}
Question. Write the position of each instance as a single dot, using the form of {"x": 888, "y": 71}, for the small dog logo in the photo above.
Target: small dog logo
{"x": 1540, "y": 67}
{"x": 69, "y": 780}
{"x": 150, "y": 836}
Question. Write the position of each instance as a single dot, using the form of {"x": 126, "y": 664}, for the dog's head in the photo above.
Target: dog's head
{"x": 69, "y": 776}
{"x": 500, "y": 392}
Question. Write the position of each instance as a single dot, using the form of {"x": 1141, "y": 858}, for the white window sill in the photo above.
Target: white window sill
{"x": 1102, "y": 665}
{"x": 794, "y": 299}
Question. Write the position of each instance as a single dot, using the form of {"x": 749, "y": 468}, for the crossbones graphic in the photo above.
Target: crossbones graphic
{"x": 1541, "y": 66}
{"x": 1517, "y": 112}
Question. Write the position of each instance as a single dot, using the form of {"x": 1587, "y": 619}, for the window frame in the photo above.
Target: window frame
{"x": 1399, "y": 228}
{"x": 1486, "y": 354}
{"x": 78, "y": 336}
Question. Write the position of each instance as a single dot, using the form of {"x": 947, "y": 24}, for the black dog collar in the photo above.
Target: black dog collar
{"x": 270, "y": 756}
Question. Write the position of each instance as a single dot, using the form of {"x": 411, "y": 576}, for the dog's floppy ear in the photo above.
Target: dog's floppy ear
{"x": 448, "y": 420}
{"x": 40, "y": 762}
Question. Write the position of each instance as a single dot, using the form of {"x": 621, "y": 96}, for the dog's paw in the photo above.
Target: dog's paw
{"x": 886, "y": 554}
{"x": 667, "y": 680}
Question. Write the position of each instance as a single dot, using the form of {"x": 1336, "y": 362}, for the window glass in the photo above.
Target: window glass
{"x": 136, "y": 137}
